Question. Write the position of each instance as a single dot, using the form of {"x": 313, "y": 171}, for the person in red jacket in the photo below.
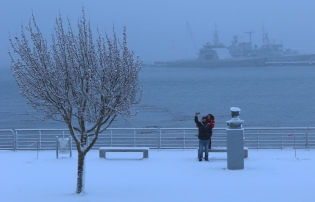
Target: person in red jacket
{"x": 210, "y": 120}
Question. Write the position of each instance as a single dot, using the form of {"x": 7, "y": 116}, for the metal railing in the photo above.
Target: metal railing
{"x": 7, "y": 139}
{"x": 162, "y": 138}
{"x": 280, "y": 138}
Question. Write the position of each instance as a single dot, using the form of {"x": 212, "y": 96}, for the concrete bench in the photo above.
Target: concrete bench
{"x": 103, "y": 150}
{"x": 223, "y": 149}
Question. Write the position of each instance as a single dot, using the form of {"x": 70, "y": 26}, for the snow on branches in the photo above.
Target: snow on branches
{"x": 77, "y": 79}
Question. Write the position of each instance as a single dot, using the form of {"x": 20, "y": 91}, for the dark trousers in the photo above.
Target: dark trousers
{"x": 203, "y": 144}
{"x": 210, "y": 143}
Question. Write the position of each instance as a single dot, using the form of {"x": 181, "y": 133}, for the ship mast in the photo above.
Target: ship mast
{"x": 216, "y": 37}
{"x": 266, "y": 40}
{"x": 250, "y": 36}
{"x": 263, "y": 40}
{"x": 192, "y": 38}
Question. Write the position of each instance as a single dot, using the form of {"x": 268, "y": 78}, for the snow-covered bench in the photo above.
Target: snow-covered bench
{"x": 103, "y": 150}
{"x": 223, "y": 149}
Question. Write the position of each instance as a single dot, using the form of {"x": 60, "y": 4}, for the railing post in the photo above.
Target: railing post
{"x": 294, "y": 140}
{"x": 307, "y": 139}
{"x": 56, "y": 147}
{"x": 294, "y": 144}
{"x": 244, "y": 137}
{"x": 70, "y": 141}
{"x": 40, "y": 139}
{"x": 37, "y": 148}
{"x": 159, "y": 139}
{"x": 16, "y": 140}
{"x": 184, "y": 139}
{"x": 134, "y": 138}
{"x": 111, "y": 138}
{"x": 281, "y": 140}
{"x": 258, "y": 139}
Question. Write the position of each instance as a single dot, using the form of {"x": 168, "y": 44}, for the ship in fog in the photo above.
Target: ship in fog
{"x": 274, "y": 52}
{"x": 215, "y": 54}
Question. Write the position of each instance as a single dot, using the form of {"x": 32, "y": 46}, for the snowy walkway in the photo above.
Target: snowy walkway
{"x": 167, "y": 175}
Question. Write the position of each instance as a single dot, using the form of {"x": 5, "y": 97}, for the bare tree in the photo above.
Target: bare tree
{"x": 77, "y": 80}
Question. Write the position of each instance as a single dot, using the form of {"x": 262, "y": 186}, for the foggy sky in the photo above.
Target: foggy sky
{"x": 157, "y": 29}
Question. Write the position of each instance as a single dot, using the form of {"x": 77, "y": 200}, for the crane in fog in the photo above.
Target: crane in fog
{"x": 192, "y": 43}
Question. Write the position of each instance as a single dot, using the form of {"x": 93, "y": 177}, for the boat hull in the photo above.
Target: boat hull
{"x": 252, "y": 62}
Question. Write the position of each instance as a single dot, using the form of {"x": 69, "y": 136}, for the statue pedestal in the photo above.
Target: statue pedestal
{"x": 235, "y": 149}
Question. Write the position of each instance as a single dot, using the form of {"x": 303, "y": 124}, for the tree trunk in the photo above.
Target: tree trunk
{"x": 81, "y": 173}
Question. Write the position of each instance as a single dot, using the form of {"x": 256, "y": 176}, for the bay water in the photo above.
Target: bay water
{"x": 271, "y": 96}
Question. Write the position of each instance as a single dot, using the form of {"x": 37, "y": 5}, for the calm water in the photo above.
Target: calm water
{"x": 267, "y": 96}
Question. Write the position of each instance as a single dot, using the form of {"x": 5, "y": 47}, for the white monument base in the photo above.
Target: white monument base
{"x": 235, "y": 149}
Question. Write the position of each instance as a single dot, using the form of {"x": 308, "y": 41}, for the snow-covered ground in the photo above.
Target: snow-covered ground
{"x": 167, "y": 175}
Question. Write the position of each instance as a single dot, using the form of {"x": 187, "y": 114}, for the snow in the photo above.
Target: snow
{"x": 167, "y": 175}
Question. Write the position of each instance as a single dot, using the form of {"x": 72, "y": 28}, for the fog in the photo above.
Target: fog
{"x": 160, "y": 30}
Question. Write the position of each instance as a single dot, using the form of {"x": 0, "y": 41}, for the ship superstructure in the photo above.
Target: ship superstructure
{"x": 274, "y": 52}
{"x": 215, "y": 54}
